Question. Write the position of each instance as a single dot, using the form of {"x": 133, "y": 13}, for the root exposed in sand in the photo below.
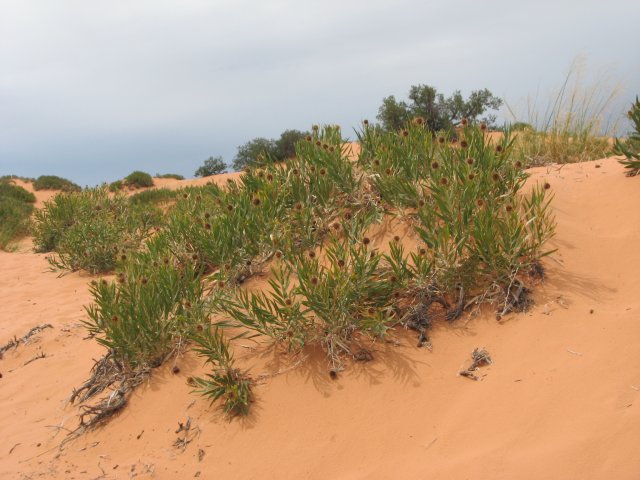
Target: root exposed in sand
{"x": 106, "y": 373}
{"x": 14, "y": 342}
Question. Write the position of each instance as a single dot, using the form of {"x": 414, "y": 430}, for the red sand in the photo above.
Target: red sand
{"x": 562, "y": 399}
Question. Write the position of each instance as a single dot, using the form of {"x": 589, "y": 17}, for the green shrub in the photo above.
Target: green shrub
{"x": 174, "y": 176}
{"x": 116, "y": 186}
{"x": 14, "y": 219}
{"x": 154, "y": 196}
{"x": 631, "y": 147}
{"x": 52, "y": 182}
{"x": 225, "y": 383}
{"x": 90, "y": 229}
{"x": 138, "y": 179}
{"x": 16, "y": 192}
{"x": 143, "y": 314}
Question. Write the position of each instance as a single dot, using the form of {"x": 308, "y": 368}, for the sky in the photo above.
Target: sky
{"x": 92, "y": 90}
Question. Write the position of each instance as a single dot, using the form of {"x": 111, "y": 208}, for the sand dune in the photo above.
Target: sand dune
{"x": 561, "y": 400}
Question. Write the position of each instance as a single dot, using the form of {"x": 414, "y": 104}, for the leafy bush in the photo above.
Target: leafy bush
{"x": 211, "y": 166}
{"x": 52, "y": 182}
{"x": 631, "y": 147}
{"x": 90, "y": 229}
{"x": 142, "y": 315}
{"x": 138, "y": 179}
{"x": 174, "y": 176}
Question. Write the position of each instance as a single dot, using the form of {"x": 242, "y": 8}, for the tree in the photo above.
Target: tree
{"x": 439, "y": 112}
{"x": 255, "y": 151}
{"x": 211, "y": 166}
{"x": 286, "y": 144}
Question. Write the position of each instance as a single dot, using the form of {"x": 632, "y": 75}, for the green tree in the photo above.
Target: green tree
{"x": 211, "y": 166}
{"x": 255, "y": 151}
{"x": 438, "y": 111}
{"x": 286, "y": 144}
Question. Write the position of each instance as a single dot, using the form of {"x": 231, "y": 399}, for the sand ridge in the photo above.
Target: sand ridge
{"x": 562, "y": 399}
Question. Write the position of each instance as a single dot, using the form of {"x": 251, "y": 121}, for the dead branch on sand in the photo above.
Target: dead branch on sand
{"x": 14, "y": 342}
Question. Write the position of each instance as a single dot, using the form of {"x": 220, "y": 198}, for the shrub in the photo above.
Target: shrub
{"x": 211, "y": 166}
{"x": 16, "y": 192}
{"x": 142, "y": 315}
{"x": 227, "y": 383}
{"x": 138, "y": 179}
{"x": 14, "y": 219}
{"x": 89, "y": 230}
{"x": 153, "y": 197}
{"x": 174, "y": 176}
{"x": 631, "y": 147}
{"x": 52, "y": 182}
{"x": 116, "y": 186}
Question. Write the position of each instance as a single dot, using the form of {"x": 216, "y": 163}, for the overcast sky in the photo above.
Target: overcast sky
{"x": 91, "y": 90}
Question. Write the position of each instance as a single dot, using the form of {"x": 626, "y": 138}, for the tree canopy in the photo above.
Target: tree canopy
{"x": 211, "y": 166}
{"x": 264, "y": 150}
{"x": 439, "y": 112}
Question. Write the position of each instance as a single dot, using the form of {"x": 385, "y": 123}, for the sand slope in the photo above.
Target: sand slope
{"x": 562, "y": 399}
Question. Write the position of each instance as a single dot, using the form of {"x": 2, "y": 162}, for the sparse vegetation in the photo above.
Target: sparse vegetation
{"x": 52, "y": 182}
{"x": 173, "y": 176}
{"x": 154, "y": 196}
{"x": 630, "y": 147}
{"x": 573, "y": 125}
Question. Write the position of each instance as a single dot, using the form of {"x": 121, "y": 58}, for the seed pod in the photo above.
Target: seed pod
{"x": 366, "y": 240}
{"x": 435, "y": 165}
{"x": 469, "y": 161}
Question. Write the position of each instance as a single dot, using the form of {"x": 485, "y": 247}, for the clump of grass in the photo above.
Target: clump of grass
{"x": 53, "y": 182}
{"x": 174, "y": 176}
{"x": 138, "y": 179}
{"x": 153, "y": 197}
{"x": 89, "y": 230}
{"x": 573, "y": 126}
{"x": 630, "y": 147}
